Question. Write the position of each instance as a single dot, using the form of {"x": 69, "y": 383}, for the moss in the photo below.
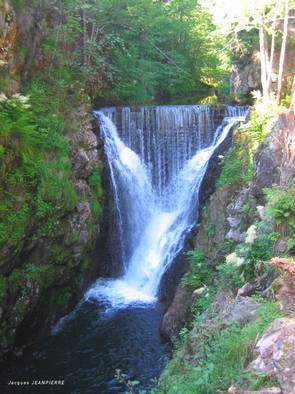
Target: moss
{"x": 14, "y": 281}
{"x": 63, "y": 296}
{"x": 95, "y": 207}
{"x": 59, "y": 254}
{"x": 20, "y": 312}
{"x": 3, "y": 288}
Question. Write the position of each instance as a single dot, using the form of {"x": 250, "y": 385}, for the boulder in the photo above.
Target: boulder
{"x": 245, "y": 78}
{"x": 178, "y": 314}
{"x": 274, "y": 353}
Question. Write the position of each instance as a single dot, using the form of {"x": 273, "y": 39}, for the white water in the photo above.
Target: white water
{"x": 156, "y": 201}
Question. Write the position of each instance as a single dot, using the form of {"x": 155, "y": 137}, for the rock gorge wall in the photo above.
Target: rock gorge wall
{"x": 45, "y": 270}
{"x": 16, "y": 27}
{"x": 245, "y": 76}
{"x": 49, "y": 273}
{"x": 227, "y": 219}
{"x": 274, "y": 162}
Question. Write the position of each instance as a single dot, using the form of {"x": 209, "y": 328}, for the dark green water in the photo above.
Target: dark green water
{"x": 85, "y": 349}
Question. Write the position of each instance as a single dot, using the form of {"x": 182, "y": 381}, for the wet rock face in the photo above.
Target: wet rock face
{"x": 226, "y": 219}
{"x": 225, "y": 308}
{"x": 224, "y": 311}
{"x": 285, "y": 146}
{"x": 265, "y": 167}
{"x": 274, "y": 161}
{"x": 274, "y": 353}
{"x": 178, "y": 315}
{"x": 84, "y": 154}
{"x": 239, "y": 309}
{"x": 16, "y": 25}
{"x": 8, "y": 29}
{"x": 51, "y": 271}
{"x": 245, "y": 79}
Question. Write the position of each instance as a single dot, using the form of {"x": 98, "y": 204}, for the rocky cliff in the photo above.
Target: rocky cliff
{"x": 206, "y": 304}
{"x": 51, "y": 197}
{"x": 44, "y": 271}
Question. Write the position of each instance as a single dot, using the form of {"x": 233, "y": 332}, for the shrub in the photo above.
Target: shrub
{"x": 281, "y": 207}
{"x": 35, "y": 169}
{"x": 95, "y": 207}
{"x": 199, "y": 273}
{"x": 94, "y": 182}
{"x": 18, "y": 134}
{"x": 236, "y": 167}
{"x": 281, "y": 203}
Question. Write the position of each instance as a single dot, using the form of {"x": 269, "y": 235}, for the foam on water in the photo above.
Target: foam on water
{"x": 154, "y": 215}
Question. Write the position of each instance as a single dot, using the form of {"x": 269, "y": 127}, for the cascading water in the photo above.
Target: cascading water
{"x": 156, "y": 165}
{"x": 157, "y": 159}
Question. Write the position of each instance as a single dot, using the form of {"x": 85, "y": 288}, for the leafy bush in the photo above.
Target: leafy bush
{"x": 20, "y": 155}
{"x": 199, "y": 273}
{"x": 35, "y": 169}
{"x": 237, "y": 162}
{"x": 281, "y": 207}
{"x": 262, "y": 118}
{"x": 240, "y": 264}
{"x": 94, "y": 182}
{"x": 229, "y": 276}
{"x": 281, "y": 203}
{"x": 236, "y": 167}
{"x": 19, "y": 137}
{"x": 95, "y": 207}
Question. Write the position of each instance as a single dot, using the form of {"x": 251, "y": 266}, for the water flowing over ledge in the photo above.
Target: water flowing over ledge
{"x": 157, "y": 158}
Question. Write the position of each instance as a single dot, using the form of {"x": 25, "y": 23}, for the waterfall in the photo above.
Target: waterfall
{"x": 157, "y": 158}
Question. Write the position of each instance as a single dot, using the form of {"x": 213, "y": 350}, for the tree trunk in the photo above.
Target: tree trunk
{"x": 272, "y": 50}
{"x": 293, "y": 95}
{"x": 283, "y": 52}
{"x": 84, "y": 22}
{"x": 263, "y": 58}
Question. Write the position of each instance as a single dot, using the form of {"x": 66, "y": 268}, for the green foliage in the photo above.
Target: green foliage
{"x": 20, "y": 143}
{"x": 200, "y": 277}
{"x": 281, "y": 203}
{"x": 57, "y": 189}
{"x": 13, "y": 224}
{"x": 204, "y": 300}
{"x": 281, "y": 207}
{"x": 210, "y": 230}
{"x": 18, "y": 135}
{"x": 236, "y": 167}
{"x": 3, "y": 288}
{"x": 95, "y": 207}
{"x": 240, "y": 265}
{"x": 262, "y": 118}
{"x": 223, "y": 353}
{"x": 133, "y": 50}
{"x": 34, "y": 161}
{"x": 128, "y": 384}
{"x": 36, "y": 173}
{"x": 237, "y": 164}
{"x": 19, "y": 3}
{"x": 229, "y": 276}
{"x": 199, "y": 273}
{"x": 94, "y": 182}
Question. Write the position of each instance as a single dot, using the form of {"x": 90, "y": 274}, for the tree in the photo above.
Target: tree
{"x": 283, "y": 51}
{"x": 264, "y": 16}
